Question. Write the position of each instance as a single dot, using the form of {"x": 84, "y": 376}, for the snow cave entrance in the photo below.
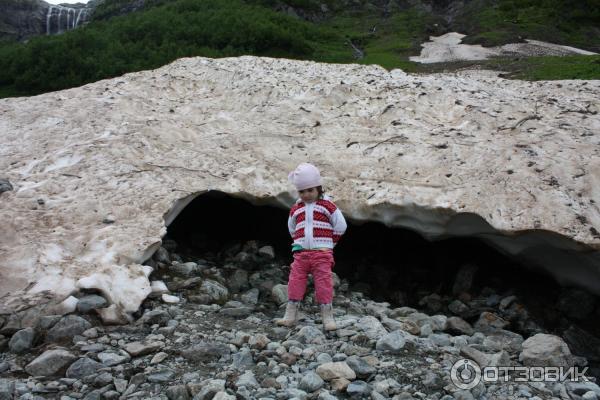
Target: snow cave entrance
{"x": 395, "y": 265}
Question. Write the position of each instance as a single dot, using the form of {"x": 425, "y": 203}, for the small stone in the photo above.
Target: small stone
{"x": 22, "y": 341}
{"x": 7, "y": 389}
{"x": 288, "y": 358}
{"x": 459, "y": 326}
{"x": 158, "y": 358}
{"x": 178, "y": 392}
{"x": 292, "y": 393}
{"x": 358, "y": 389}
{"x": 224, "y": 396}
{"x": 152, "y": 317}
{"x": 280, "y": 294}
{"x": 186, "y": 269}
{"x": 360, "y": 367}
{"x": 589, "y": 396}
{"x": 371, "y": 327}
{"x": 270, "y": 382}
{"x": 83, "y": 367}
{"x": 440, "y": 339}
{"x": 310, "y": 335}
{"x": 110, "y": 395}
{"x": 546, "y": 351}
{"x": 243, "y": 359}
{"x": 393, "y": 342}
{"x": 205, "y": 352}
{"x": 91, "y": 302}
{"x": 51, "y": 362}
{"x": 311, "y": 382}
{"x": 110, "y": 359}
{"x": 4, "y": 366}
{"x": 162, "y": 255}
{"x": 247, "y": 379}
{"x": 333, "y": 370}
{"x": 209, "y": 389}
{"x": 463, "y": 395}
{"x": 323, "y": 358}
{"x": 113, "y": 315}
{"x": 136, "y": 349}
{"x": 251, "y": 296}
{"x": 103, "y": 379}
{"x": 489, "y": 322}
{"x": 432, "y": 381}
{"x": 215, "y": 292}
{"x": 167, "y": 298}
{"x": 339, "y": 384}
{"x": 48, "y": 321}
{"x": 503, "y": 339}
{"x": 325, "y": 395}
{"x": 259, "y": 341}
{"x": 158, "y": 288}
{"x": 161, "y": 376}
{"x": 91, "y": 333}
{"x": 267, "y": 251}
{"x": 67, "y": 328}
{"x": 120, "y": 385}
{"x": 5, "y": 185}
{"x": 458, "y": 307}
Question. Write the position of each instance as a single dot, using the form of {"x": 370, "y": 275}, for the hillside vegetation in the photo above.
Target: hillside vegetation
{"x": 165, "y": 30}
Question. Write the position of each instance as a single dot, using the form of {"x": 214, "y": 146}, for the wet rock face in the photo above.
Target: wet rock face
{"x": 229, "y": 346}
{"x": 21, "y": 19}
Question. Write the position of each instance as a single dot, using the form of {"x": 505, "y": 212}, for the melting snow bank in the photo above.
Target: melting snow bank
{"x": 448, "y": 47}
{"x": 98, "y": 171}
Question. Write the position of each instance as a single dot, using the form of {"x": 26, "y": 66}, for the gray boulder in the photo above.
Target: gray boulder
{"x": 83, "y": 367}
{"x": 50, "y": 363}
{"x": 546, "y": 351}
{"x": 311, "y": 382}
{"x": 5, "y": 185}
{"x": 22, "y": 341}
{"x": 392, "y": 342}
{"x": 66, "y": 328}
{"x": 91, "y": 302}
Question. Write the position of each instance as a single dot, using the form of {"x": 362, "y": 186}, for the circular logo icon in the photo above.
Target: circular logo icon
{"x": 465, "y": 374}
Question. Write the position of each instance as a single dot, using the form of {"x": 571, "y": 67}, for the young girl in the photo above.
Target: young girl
{"x": 316, "y": 225}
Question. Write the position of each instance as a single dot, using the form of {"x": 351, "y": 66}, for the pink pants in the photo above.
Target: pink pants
{"x": 318, "y": 263}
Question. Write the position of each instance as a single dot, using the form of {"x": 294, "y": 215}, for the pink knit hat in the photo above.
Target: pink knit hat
{"x": 305, "y": 176}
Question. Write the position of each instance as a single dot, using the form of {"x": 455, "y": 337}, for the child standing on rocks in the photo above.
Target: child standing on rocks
{"x": 316, "y": 225}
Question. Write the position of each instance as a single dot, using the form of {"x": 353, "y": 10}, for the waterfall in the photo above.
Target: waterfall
{"x": 60, "y": 10}
{"x": 78, "y": 15}
{"x": 48, "y": 30}
{"x": 74, "y": 16}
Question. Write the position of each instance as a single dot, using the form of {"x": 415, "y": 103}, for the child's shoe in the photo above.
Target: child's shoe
{"x": 327, "y": 316}
{"x": 291, "y": 315}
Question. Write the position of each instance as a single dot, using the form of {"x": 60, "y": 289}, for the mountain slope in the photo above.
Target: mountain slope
{"x": 155, "y": 32}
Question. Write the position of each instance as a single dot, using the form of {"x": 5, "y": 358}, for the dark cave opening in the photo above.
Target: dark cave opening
{"x": 403, "y": 268}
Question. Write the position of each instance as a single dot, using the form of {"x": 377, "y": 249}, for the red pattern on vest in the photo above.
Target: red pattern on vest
{"x": 321, "y": 233}
{"x": 328, "y": 205}
{"x": 299, "y": 233}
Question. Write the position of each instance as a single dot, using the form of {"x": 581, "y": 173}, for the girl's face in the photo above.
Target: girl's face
{"x": 308, "y": 195}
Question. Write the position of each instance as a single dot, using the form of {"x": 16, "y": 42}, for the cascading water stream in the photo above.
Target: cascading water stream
{"x": 74, "y": 18}
{"x": 48, "y": 20}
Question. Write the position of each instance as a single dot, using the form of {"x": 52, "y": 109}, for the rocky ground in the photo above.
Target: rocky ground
{"x": 207, "y": 332}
